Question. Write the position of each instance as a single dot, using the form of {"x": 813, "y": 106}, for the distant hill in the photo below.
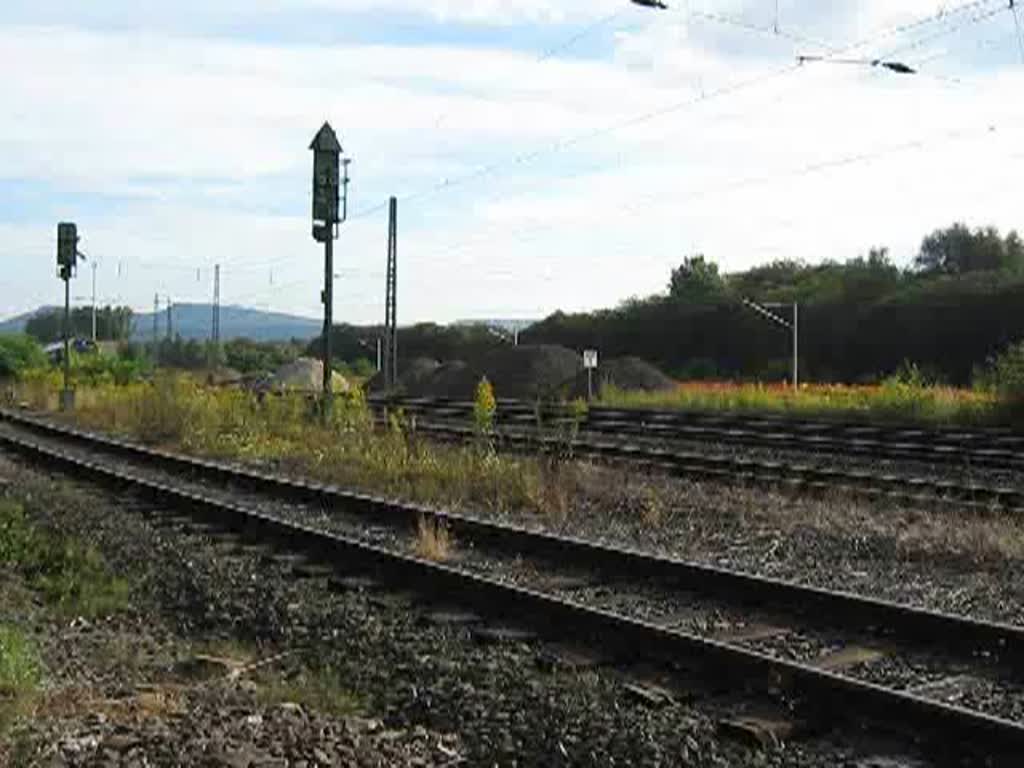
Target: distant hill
{"x": 192, "y": 321}
{"x": 17, "y": 324}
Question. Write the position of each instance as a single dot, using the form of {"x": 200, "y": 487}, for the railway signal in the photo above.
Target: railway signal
{"x": 67, "y": 266}
{"x": 330, "y": 183}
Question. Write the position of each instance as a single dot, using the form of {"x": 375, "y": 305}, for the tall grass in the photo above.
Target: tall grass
{"x": 176, "y": 411}
{"x": 894, "y": 400}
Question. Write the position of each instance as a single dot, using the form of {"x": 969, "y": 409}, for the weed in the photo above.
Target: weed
{"x": 70, "y": 575}
{"x": 19, "y": 675}
{"x": 433, "y": 541}
{"x": 484, "y": 407}
{"x": 320, "y": 689}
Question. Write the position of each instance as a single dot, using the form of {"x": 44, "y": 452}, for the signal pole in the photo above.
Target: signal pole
{"x": 67, "y": 262}
{"x": 391, "y": 301}
{"x": 328, "y": 182}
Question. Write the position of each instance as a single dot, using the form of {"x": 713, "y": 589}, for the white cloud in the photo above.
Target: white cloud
{"x": 205, "y": 139}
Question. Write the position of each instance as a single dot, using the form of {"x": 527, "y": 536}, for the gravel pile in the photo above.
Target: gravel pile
{"x": 625, "y": 373}
{"x": 523, "y": 372}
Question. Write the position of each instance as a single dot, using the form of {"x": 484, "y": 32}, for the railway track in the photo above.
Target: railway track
{"x": 997, "y": 448}
{"x": 828, "y": 676}
{"x": 928, "y": 491}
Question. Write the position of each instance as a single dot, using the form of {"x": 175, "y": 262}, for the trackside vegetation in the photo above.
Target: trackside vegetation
{"x": 178, "y": 411}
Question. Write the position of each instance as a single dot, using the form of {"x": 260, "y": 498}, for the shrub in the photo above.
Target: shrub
{"x": 19, "y": 353}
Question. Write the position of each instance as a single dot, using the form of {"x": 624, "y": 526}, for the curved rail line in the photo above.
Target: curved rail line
{"x": 826, "y": 696}
{"x": 991, "y": 447}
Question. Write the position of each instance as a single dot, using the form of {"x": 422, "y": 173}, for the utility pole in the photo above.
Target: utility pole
{"x": 215, "y": 322}
{"x": 328, "y": 182}
{"x": 391, "y": 301}
{"x": 170, "y": 320}
{"x": 765, "y": 311}
{"x": 156, "y": 325}
{"x": 94, "y": 265}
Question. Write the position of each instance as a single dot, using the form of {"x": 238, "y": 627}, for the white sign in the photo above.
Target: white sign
{"x": 590, "y": 358}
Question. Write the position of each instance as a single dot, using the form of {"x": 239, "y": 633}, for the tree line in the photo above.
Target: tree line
{"x": 959, "y": 303}
{"x": 112, "y": 324}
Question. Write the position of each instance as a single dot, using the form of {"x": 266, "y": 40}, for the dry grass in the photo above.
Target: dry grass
{"x": 177, "y": 413}
{"x": 433, "y": 540}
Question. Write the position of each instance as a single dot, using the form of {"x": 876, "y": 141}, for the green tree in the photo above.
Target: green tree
{"x": 958, "y": 250}
{"x": 696, "y": 281}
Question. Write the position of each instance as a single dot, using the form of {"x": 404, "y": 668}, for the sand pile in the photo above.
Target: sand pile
{"x": 305, "y": 375}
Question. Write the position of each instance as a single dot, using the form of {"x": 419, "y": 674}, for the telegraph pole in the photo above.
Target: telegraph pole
{"x": 328, "y": 186}
{"x": 765, "y": 311}
{"x": 94, "y": 265}
{"x": 170, "y": 320}
{"x": 156, "y": 323}
{"x": 391, "y": 301}
{"x": 215, "y": 320}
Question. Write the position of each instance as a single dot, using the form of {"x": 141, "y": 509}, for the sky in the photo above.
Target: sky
{"x": 546, "y": 154}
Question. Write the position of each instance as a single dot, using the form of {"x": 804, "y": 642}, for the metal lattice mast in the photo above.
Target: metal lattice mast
{"x": 391, "y": 300}
{"x": 215, "y": 327}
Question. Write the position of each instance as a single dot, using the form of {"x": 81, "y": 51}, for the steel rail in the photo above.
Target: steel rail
{"x": 985, "y": 447}
{"x": 894, "y": 487}
{"x": 823, "y": 697}
{"x": 848, "y": 610}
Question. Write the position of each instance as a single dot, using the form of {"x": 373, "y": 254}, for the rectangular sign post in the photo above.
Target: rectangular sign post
{"x": 590, "y": 363}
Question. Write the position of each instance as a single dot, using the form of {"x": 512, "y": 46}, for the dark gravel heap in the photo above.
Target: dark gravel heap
{"x": 626, "y": 373}
{"x": 506, "y": 703}
{"x": 523, "y": 372}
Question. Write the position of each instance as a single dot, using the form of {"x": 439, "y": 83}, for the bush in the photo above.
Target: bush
{"x": 1004, "y": 377}
{"x": 19, "y": 353}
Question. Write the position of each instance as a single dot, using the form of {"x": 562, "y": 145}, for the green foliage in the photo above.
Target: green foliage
{"x": 363, "y": 367}
{"x": 232, "y": 423}
{"x": 859, "y": 321}
{"x": 69, "y": 575}
{"x": 19, "y": 353}
{"x": 697, "y": 281}
{"x": 1005, "y": 375}
{"x": 112, "y": 324}
{"x": 247, "y": 356}
{"x": 958, "y": 250}
{"x": 20, "y": 674}
{"x": 19, "y": 664}
{"x": 902, "y": 397}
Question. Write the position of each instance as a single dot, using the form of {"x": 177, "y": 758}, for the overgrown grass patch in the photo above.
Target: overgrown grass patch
{"x": 893, "y": 400}
{"x": 20, "y": 672}
{"x": 71, "y": 576}
{"x": 283, "y": 430}
{"x": 320, "y": 689}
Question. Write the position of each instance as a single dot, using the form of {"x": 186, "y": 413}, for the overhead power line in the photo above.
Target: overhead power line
{"x": 741, "y": 85}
